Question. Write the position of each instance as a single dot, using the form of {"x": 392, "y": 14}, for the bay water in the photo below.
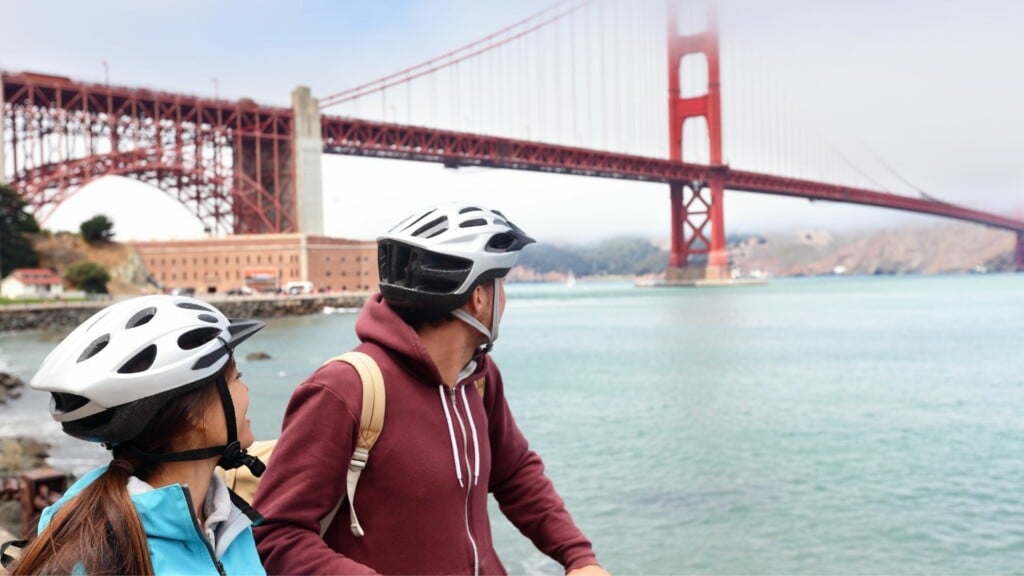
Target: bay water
{"x": 810, "y": 426}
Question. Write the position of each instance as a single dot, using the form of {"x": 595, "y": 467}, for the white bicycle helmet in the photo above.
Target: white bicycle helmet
{"x": 113, "y": 374}
{"x": 435, "y": 257}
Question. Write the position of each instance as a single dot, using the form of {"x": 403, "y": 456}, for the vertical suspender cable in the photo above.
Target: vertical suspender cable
{"x": 572, "y": 72}
{"x": 540, "y": 92}
{"x": 520, "y": 94}
{"x": 589, "y": 85}
{"x": 604, "y": 87}
{"x": 558, "y": 85}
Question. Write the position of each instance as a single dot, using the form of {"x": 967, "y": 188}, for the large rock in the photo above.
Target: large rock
{"x": 22, "y": 454}
{"x": 9, "y": 384}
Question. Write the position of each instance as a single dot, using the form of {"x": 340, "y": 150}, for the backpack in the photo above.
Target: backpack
{"x": 371, "y": 421}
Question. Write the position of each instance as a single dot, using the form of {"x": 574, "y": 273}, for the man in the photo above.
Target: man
{"x": 448, "y": 436}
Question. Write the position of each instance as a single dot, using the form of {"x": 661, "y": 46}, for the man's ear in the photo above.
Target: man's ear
{"x": 479, "y": 300}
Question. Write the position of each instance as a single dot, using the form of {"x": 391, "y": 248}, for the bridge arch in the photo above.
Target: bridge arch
{"x": 219, "y": 199}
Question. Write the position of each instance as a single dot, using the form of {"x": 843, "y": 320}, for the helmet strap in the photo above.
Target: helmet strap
{"x": 490, "y": 334}
{"x": 495, "y": 312}
{"x": 233, "y": 455}
{"x": 468, "y": 318}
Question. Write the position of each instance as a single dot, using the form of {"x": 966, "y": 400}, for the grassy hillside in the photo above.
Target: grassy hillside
{"x": 127, "y": 273}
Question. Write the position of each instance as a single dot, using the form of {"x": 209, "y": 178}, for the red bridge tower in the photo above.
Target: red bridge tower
{"x": 696, "y": 252}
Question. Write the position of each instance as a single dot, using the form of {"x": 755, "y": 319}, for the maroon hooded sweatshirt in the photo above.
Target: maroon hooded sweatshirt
{"x": 422, "y": 498}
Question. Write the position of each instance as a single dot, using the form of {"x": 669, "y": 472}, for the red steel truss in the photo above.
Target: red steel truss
{"x": 229, "y": 162}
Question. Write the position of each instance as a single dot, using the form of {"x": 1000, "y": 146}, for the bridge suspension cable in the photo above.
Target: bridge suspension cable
{"x": 486, "y": 44}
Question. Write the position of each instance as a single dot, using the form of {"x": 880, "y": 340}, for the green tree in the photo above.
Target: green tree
{"x": 97, "y": 229}
{"x": 16, "y": 224}
{"x": 88, "y": 276}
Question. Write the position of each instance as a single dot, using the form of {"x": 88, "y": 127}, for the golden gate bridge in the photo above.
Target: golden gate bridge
{"x": 572, "y": 89}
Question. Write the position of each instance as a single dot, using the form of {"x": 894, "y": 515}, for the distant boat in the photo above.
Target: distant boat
{"x": 570, "y": 279}
{"x": 339, "y": 310}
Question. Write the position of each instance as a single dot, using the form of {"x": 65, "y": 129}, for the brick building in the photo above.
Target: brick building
{"x": 261, "y": 262}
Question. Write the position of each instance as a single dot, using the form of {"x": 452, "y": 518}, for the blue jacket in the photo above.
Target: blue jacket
{"x": 176, "y": 545}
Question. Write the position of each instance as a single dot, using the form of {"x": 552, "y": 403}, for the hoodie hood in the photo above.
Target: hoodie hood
{"x": 378, "y": 324}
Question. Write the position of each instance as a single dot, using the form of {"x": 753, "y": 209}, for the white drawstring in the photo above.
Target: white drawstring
{"x": 476, "y": 441}
{"x": 451, "y": 434}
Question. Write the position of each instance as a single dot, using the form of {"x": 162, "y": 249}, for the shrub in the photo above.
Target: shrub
{"x": 97, "y": 229}
{"x": 88, "y": 277}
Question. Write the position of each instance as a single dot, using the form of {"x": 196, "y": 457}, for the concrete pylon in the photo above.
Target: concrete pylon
{"x": 308, "y": 146}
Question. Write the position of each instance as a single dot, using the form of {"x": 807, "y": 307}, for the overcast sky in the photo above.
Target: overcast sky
{"x": 933, "y": 88}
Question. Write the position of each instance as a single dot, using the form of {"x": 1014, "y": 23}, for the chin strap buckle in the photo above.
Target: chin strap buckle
{"x": 235, "y": 457}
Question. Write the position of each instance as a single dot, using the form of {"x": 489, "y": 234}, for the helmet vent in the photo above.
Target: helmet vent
{"x": 432, "y": 228}
{"x": 468, "y": 209}
{"x": 473, "y": 223}
{"x": 500, "y": 242}
{"x": 197, "y": 337}
{"x": 64, "y": 402}
{"x": 191, "y": 306}
{"x": 208, "y": 318}
{"x": 416, "y": 221}
{"x": 94, "y": 348}
{"x": 141, "y": 317}
{"x": 140, "y": 362}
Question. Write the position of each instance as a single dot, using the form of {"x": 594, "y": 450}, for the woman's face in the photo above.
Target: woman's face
{"x": 240, "y": 398}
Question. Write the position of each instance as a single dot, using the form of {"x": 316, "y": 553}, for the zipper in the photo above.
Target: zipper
{"x": 199, "y": 531}
{"x": 469, "y": 480}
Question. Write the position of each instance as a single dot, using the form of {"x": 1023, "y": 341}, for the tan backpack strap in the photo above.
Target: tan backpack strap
{"x": 371, "y": 422}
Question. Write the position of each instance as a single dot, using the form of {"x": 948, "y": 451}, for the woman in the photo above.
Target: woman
{"x": 153, "y": 379}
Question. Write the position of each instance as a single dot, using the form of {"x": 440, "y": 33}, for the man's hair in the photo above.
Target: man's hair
{"x": 418, "y": 318}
